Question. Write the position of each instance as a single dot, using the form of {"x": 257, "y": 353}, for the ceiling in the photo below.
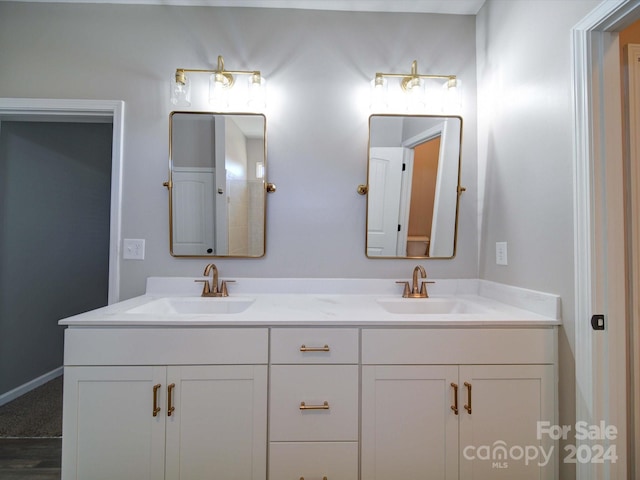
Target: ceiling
{"x": 458, "y": 7}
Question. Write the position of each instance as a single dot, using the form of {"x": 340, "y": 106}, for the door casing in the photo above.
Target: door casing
{"x": 20, "y": 109}
{"x": 599, "y": 230}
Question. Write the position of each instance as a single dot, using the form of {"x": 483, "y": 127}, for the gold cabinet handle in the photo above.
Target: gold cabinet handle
{"x": 304, "y": 348}
{"x": 454, "y": 407}
{"x": 467, "y": 407}
{"x": 170, "y": 407}
{"x": 156, "y": 408}
{"x": 323, "y": 478}
{"x": 324, "y": 406}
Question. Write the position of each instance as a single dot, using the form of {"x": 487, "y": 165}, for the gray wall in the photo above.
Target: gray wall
{"x": 518, "y": 176}
{"x": 318, "y": 66}
{"x": 525, "y": 157}
{"x": 55, "y": 184}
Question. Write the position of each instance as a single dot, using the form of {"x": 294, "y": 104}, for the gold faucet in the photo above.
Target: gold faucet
{"x": 416, "y": 291}
{"x": 212, "y": 289}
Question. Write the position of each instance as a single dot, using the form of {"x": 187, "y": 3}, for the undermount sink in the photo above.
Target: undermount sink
{"x": 194, "y": 306}
{"x": 425, "y": 306}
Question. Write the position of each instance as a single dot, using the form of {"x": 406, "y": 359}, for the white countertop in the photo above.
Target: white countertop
{"x": 331, "y": 302}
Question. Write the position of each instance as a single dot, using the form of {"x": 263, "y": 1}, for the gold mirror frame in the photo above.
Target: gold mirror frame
{"x": 394, "y": 229}
{"x": 213, "y": 215}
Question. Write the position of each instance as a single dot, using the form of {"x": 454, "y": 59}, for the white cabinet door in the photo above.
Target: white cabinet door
{"x": 507, "y": 402}
{"x": 110, "y": 431}
{"x": 409, "y": 429}
{"x": 218, "y": 429}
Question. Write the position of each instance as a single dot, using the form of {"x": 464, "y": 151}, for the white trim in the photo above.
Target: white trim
{"x": 406, "y": 186}
{"x": 632, "y": 155}
{"x": 459, "y": 7}
{"x": 600, "y": 357}
{"x": 30, "y": 385}
{"x": 424, "y": 136}
{"x": 583, "y": 231}
{"x": 114, "y": 109}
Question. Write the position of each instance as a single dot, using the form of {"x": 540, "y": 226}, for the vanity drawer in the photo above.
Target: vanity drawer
{"x": 337, "y": 385}
{"x": 166, "y": 346}
{"x": 314, "y": 345}
{"x": 314, "y": 461}
{"x": 440, "y": 346}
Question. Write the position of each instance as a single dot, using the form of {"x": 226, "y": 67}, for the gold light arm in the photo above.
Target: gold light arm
{"x": 180, "y": 76}
{"x": 408, "y": 78}
{"x": 226, "y": 76}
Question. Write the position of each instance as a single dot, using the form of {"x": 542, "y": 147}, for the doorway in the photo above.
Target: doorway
{"x": 49, "y": 175}
{"x": 426, "y": 156}
{"x": 602, "y": 362}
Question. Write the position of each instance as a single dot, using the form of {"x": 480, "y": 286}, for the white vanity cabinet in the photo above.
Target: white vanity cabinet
{"x": 313, "y": 408}
{"x": 440, "y": 401}
{"x": 165, "y": 403}
{"x": 306, "y": 387}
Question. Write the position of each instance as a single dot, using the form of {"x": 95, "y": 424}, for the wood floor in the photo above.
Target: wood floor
{"x": 30, "y": 458}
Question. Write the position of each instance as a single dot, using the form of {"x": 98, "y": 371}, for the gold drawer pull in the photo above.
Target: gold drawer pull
{"x": 304, "y": 348}
{"x": 324, "y": 406}
{"x": 323, "y": 478}
{"x": 467, "y": 407}
{"x": 156, "y": 408}
{"x": 454, "y": 407}
{"x": 170, "y": 407}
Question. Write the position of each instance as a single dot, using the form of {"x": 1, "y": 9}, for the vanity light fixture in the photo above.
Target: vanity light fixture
{"x": 417, "y": 92}
{"x": 222, "y": 84}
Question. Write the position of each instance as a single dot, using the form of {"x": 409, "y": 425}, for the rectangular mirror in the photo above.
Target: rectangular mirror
{"x": 413, "y": 186}
{"x": 217, "y": 189}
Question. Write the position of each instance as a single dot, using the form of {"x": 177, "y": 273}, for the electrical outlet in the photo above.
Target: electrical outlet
{"x": 133, "y": 249}
{"x": 501, "y": 253}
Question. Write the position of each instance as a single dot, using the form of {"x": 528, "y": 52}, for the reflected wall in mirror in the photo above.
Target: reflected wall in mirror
{"x": 413, "y": 186}
{"x": 217, "y": 175}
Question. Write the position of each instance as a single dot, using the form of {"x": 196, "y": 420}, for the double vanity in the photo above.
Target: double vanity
{"x": 312, "y": 379}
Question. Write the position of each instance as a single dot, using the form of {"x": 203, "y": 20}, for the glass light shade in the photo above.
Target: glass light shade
{"x": 379, "y": 91}
{"x": 415, "y": 95}
{"x": 218, "y": 91}
{"x": 180, "y": 92}
{"x": 257, "y": 92}
{"x": 452, "y": 96}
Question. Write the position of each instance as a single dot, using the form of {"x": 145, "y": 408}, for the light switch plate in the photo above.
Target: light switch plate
{"x": 133, "y": 249}
{"x": 501, "y": 253}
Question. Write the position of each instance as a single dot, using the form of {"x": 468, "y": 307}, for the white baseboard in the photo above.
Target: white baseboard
{"x": 30, "y": 385}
